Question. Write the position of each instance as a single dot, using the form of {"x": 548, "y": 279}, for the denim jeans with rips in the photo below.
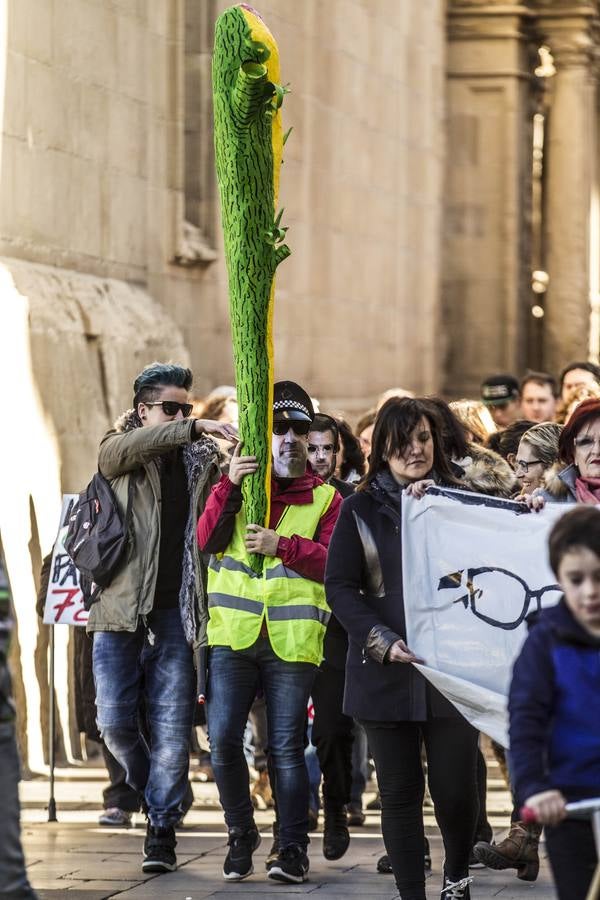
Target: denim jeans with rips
{"x": 153, "y": 664}
{"x": 234, "y": 677}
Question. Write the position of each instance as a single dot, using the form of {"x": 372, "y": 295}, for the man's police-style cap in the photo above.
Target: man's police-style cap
{"x": 291, "y": 402}
{"x": 499, "y": 389}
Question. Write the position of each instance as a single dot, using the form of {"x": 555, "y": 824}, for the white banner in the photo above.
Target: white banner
{"x": 473, "y": 567}
{"x": 64, "y": 600}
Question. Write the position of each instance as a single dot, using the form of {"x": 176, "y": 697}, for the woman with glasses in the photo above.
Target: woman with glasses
{"x": 576, "y": 479}
{"x": 538, "y": 451}
{"x": 396, "y": 705}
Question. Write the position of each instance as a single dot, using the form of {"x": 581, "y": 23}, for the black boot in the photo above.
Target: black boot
{"x": 336, "y": 836}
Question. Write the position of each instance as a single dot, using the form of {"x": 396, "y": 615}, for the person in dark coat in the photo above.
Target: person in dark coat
{"x": 396, "y": 705}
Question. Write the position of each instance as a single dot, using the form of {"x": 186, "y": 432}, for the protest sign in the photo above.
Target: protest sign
{"x": 474, "y": 567}
{"x": 64, "y": 600}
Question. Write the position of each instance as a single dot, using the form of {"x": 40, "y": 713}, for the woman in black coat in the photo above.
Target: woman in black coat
{"x": 397, "y": 706}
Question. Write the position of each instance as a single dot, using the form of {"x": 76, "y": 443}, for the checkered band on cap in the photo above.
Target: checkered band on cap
{"x": 291, "y": 404}
{"x": 497, "y": 391}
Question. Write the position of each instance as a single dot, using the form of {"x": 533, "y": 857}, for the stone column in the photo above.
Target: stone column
{"x": 486, "y": 285}
{"x": 570, "y": 31}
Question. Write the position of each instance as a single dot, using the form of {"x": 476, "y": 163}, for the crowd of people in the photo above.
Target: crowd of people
{"x": 309, "y": 610}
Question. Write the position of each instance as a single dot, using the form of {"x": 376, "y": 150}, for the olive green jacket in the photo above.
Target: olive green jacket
{"x": 130, "y": 451}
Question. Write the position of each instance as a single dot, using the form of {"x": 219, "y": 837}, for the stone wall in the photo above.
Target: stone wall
{"x": 492, "y": 246}
{"x": 110, "y": 245}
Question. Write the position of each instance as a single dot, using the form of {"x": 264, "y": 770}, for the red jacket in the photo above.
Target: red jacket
{"x": 305, "y": 556}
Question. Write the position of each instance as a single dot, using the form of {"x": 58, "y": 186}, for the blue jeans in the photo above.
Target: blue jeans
{"x": 151, "y": 669}
{"x": 234, "y": 677}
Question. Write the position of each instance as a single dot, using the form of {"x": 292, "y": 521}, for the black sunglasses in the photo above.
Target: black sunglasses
{"x": 172, "y": 407}
{"x": 298, "y": 426}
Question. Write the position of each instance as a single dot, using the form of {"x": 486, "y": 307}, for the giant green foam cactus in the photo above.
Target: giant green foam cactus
{"x": 249, "y": 143}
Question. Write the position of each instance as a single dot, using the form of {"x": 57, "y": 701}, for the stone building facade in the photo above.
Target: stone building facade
{"x": 415, "y": 222}
{"x": 521, "y": 240}
{"x": 110, "y": 245}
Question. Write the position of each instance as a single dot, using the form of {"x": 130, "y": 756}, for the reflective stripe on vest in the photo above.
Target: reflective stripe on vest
{"x": 294, "y": 607}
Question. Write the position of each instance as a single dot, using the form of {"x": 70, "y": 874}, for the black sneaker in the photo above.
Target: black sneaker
{"x": 456, "y": 890}
{"x": 242, "y": 844}
{"x": 159, "y": 850}
{"x": 384, "y": 866}
{"x": 290, "y": 866}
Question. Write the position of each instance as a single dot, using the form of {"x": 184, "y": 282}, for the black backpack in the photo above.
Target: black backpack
{"x": 97, "y": 536}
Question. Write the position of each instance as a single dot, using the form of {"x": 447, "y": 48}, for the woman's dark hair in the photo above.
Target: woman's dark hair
{"x": 586, "y": 412}
{"x": 493, "y": 441}
{"x": 507, "y": 441}
{"x": 454, "y": 432}
{"x": 157, "y": 375}
{"x": 352, "y": 455}
{"x": 578, "y": 528}
{"x": 396, "y": 421}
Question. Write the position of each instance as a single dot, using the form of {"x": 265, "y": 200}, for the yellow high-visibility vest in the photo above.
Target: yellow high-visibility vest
{"x": 294, "y": 607}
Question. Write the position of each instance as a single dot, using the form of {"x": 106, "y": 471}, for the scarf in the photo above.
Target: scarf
{"x": 587, "y": 490}
{"x": 386, "y": 483}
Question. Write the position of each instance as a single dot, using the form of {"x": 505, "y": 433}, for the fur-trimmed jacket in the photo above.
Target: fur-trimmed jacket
{"x": 130, "y": 451}
{"x": 559, "y": 484}
{"x": 486, "y": 472}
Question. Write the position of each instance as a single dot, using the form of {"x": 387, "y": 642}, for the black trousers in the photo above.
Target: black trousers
{"x": 482, "y": 830}
{"x": 118, "y": 793}
{"x": 573, "y": 857}
{"x": 451, "y": 749}
{"x": 332, "y": 735}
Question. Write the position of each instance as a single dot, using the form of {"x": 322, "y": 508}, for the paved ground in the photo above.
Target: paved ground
{"x": 77, "y": 860}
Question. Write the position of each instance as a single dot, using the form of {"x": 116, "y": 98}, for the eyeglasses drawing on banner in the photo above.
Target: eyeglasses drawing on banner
{"x": 490, "y": 589}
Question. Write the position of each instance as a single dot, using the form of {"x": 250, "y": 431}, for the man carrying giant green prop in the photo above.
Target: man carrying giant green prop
{"x": 266, "y": 631}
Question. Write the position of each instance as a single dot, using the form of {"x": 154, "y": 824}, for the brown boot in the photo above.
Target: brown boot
{"x": 518, "y": 850}
{"x": 261, "y": 793}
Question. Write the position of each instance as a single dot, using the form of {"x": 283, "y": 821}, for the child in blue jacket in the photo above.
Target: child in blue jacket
{"x": 554, "y": 704}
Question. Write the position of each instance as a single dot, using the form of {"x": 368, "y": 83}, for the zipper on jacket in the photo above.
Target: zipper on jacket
{"x": 395, "y": 516}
